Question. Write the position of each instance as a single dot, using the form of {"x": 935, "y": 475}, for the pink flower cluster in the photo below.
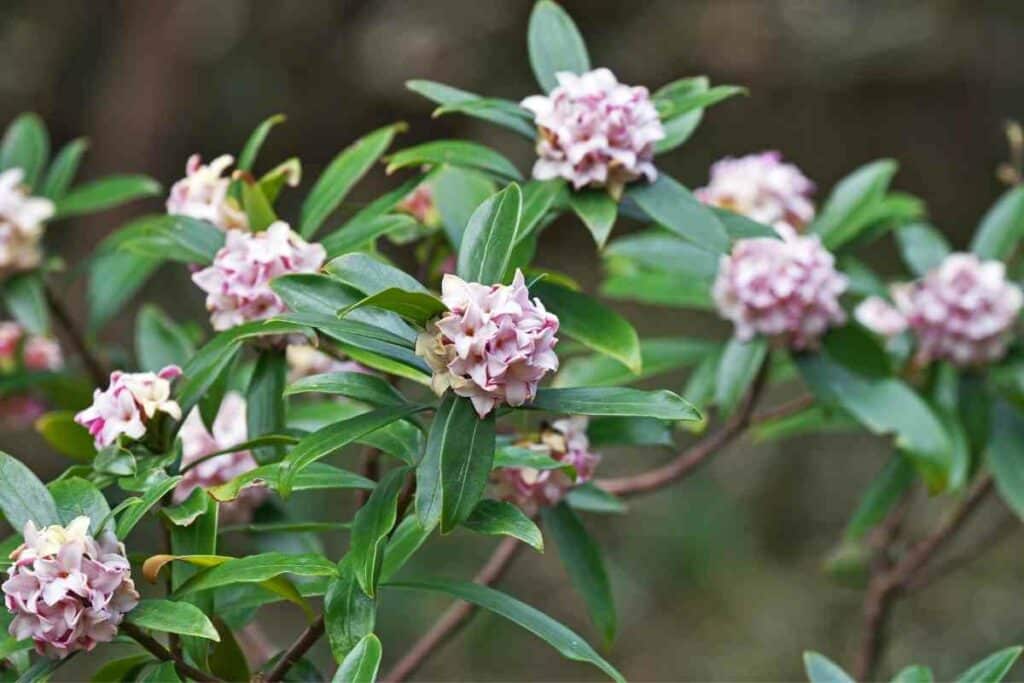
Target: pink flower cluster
{"x": 963, "y": 311}
{"x": 493, "y": 346}
{"x": 782, "y": 288}
{"x": 21, "y": 223}
{"x": 68, "y": 590}
{"x": 565, "y": 441}
{"x": 237, "y": 284}
{"x": 595, "y": 131}
{"x": 229, "y": 429}
{"x": 31, "y": 351}
{"x": 203, "y": 194}
{"x": 762, "y": 188}
{"x": 420, "y": 205}
{"x": 128, "y": 404}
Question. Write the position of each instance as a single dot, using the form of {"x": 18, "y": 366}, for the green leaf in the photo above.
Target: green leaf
{"x": 591, "y": 498}
{"x": 1001, "y": 227}
{"x": 884, "y": 491}
{"x": 502, "y": 112}
{"x": 25, "y": 299}
{"x": 629, "y": 431}
{"x": 555, "y": 44}
{"x": 591, "y": 323}
{"x": 418, "y": 307}
{"x": 673, "y": 206}
{"x": 456, "y": 462}
{"x": 273, "y": 181}
{"x": 993, "y": 668}
{"x": 176, "y": 238}
{"x": 409, "y": 535}
{"x": 332, "y": 437}
{"x": 659, "y": 289}
{"x": 123, "y": 669}
{"x": 851, "y": 205}
{"x": 679, "y": 129}
{"x": 658, "y": 356}
{"x": 66, "y": 436}
{"x": 26, "y": 145}
{"x": 370, "y": 275}
{"x": 314, "y": 477}
{"x": 519, "y": 457}
{"x": 539, "y": 196}
{"x": 258, "y": 210}
{"x": 661, "y": 251}
{"x": 23, "y": 497}
{"x": 494, "y": 518}
{"x": 677, "y": 102}
{"x": 189, "y": 510}
{"x": 265, "y": 403}
{"x": 247, "y": 158}
{"x": 1005, "y": 456}
{"x": 597, "y": 209}
{"x": 581, "y": 557}
{"x": 170, "y": 616}
{"x": 820, "y": 669}
{"x": 619, "y": 401}
{"x": 132, "y": 515}
{"x": 371, "y": 526}
{"x": 457, "y": 193}
{"x": 357, "y": 236}
{"x": 362, "y": 663}
{"x": 257, "y": 569}
{"x": 159, "y": 341}
{"x": 455, "y": 153}
{"x": 884, "y": 405}
{"x": 115, "y": 275}
{"x": 227, "y": 660}
{"x": 922, "y": 247}
{"x": 741, "y": 361}
{"x": 357, "y": 385}
{"x": 341, "y": 175}
{"x": 489, "y": 237}
{"x": 568, "y": 643}
{"x": 349, "y": 613}
{"x": 105, "y": 193}
{"x": 115, "y": 459}
{"x": 914, "y": 674}
{"x": 76, "y": 497}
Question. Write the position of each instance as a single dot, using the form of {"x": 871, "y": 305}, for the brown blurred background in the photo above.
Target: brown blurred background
{"x": 716, "y": 579}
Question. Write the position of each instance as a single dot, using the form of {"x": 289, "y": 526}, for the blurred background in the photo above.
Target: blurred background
{"x": 719, "y": 578}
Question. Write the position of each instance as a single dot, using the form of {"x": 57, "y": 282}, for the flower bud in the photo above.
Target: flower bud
{"x": 21, "y": 224}
{"x": 129, "y": 403}
{"x": 762, "y": 188}
{"x": 203, "y": 194}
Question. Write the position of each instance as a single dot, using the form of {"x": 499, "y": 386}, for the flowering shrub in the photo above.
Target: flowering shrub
{"x": 480, "y": 391}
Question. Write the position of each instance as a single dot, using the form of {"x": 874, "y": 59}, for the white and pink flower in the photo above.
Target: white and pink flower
{"x": 595, "y": 131}
{"x": 237, "y": 284}
{"x": 229, "y": 429}
{"x": 565, "y": 441}
{"x": 128, "y": 404}
{"x": 963, "y": 311}
{"x": 493, "y": 346}
{"x": 203, "y": 194}
{"x": 761, "y": 187}
{"x": 21, "y": 223}
{"x": 36, "y": 352}
{"x": 68, "y": 590}
{"x": 787, "y": 289}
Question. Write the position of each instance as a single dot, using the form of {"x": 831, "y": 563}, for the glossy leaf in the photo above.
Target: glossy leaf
{"x": 489, "y": 237}
{"x": 247, "y": 159}
{"x": 264, "y": 402}
{"x": 851, "y": 203}
{"x": 133, "y": 515}
{"x": 315, "y": 476}
{"x": 658, "y": 356}
{"x": 359, "y": 235}
{"x": 455, "y": 153}
{"x": 740, "y": 363}
{"x": 418, "y": 307}
{"x": 257, "y": 569}
{"x": 349, "y": 613}
{"x": 674, "y": 207}
{"x": 597, "y": 209}
{"x": 115, "y": 275}
{"x": 629, "y": 431}
{"x": 370, "y": 275}
{"x": 77, "y": 497}
{"x": 169, "y": 616}
{"x": 66, "y": 436}
{"x": 679, "y": 128}
{"x": 554, "y": 44}
{"x": 105, "y": 193}
{"x": 1001, "y": 227}
{"x": 494, "y": 518}
{"x": 371, "y": 526}
{"x": 619, "y": 401}
{"x": 357, "y": 385}
{"x": 502, "y": 112}
{"x": 407, "y": 538}
{"x": 258, "y": 210}
{"x": 23, "y": 497}
{"x": 175, "y": 238}
{"x": 362, "y": 663}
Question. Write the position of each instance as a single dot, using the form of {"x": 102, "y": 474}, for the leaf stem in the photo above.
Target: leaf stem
{"x": 297, "y": 649}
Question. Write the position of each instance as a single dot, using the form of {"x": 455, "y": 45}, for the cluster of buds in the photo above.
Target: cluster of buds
{"x": 21, "y": 223}
{"x": 963, "y": 311}
{"x": 68, "y": 590}
{"x": 761, "y": 187}
{"x": 787, "y": 289}
{"x": 229, "y": 429}
{"x": 493, "y": 346}
{"x": 595, "y": 131}
{"x": 237, "y": 284}
{"x": 203, "y": 194}
{"x": 420, "y": 205}
{"x": 129, "y": 404}
{"x": 19, "y": 349}
{"x": 563, "y": 440}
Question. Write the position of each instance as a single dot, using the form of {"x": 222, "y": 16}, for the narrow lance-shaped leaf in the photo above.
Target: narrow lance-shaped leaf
{"x": 25, "y": 145}
{"x": 105, "y": 193}
{"x": 455, "y": 153}
{"x": 554, "y": 44}
{"x": 498, "y": 517}
{"x": 613, "y": 401}
{"x": 418, "y": 307}
{"x": 1004, "y": 454}
{"x": 357, "y": 385}
{"x": 502, "y": 112}
{"x": 850, "y": 205}
{"x": 247, "y": 158}
{"x": 740, "y": 363}
{"x": 362, "y": 663}
{"x": 349, "y": 613}
{"x": 24, "y": 296}
{"x": 1002, "y": 227}
{"x": 597, "y": 209}
{"x": 993, "y": 668}
{"x": 371, "y": 526}
{"x": 63, "y": 169}
{"x": 820, "y": 669}
{"x": 489, "y": 237}
{"x": 673, "y": 206}
{"x": 265, "y": 402}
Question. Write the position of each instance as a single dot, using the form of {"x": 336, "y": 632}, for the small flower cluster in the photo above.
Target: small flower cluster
{"x": 963, "y": 311}
{"x": 761, "y": 187}
{"x": 595, "y": 131}
{"x": 128, "y": 405}
{"x": 565, "y": 441}
{"x": 203, "y": 194}
{"x": 68, "y": 590}
{"x": 493, "y": 346}
{"x": 18, "y": 349}
{"x": 237, "y": 284}
{"x": 420, "y": 205}
{"x": 21, "y": 223}
{"x": 229, "y": 429}
{"x": 785, "y": 288}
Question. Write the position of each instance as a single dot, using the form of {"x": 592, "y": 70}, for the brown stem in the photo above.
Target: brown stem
{"x": 370, "y": 470}
{"x": 887, "y": 585}
{"x": 92, "y": 364}
{"x": 456, "y": 615}
{"x": 297, "y": 649}
{"x": 163, "y": 654}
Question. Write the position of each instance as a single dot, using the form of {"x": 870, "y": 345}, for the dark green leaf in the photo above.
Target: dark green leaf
{"x": 851, "y": 205}
{"x": 661, "y": 251}
{"x": 63, "y": 169}
{"x": 619, "y": 401}
{"x": 457, "y": 194}
{"x": 115, "y": 275}
{"x": 247, "y": 158}
{"x": 315, "y": 476}
{"x": 227, "y": 660}
{"x": 159, "y": 341}
{"x": 489, "y": 237}
{"x": 1005, "y": 456}
{"x": 25, "y": 299}
{"x": 741, "y": 361}
{"x": 591, "y": 498}
{"x": 409, "y": 535}
{"x": 187, "y": 511}
{"x": 494, "y": 518}
{"x": 370, "y": 275}
{"x": 597, "y": 209}
{"x": 357, "y": 236}
{"x": 658, "y": 356}
{"x": 581, "y": 557}
{"x": 993, "y": 668}
{"x": 358, "y": 385}
{"x": 133, "y": 514}
{"x": 922, "y": 247}
{"x": 502, "y": 112}
{"x": 673, "y": 206}
{"x": 256, "y": 569}
{"x": 105, "y": 193}
{"x": 679, "y": 129}
{"x": 175, "y": 238}
{"x": 884, "y": 491}
{"x": 23, "y": 497}
{"x": 349, "y": 612}
{"x": 77, "y": 497}
{"x": 170, "y": 616}
{"x": 1001, "y": 228}
{"x": 123, "y": 669}
{"x": 418, "y": 307}
{"x": 265, "y": 403}
{"x": 660, "y": 289}
{"x": 677, "y": 102}
{"x": 629, "y": 431}
{"x": 26, "y": 145}
{"x": 371, "y": 526}
{"x": 555, "y": 44}
{"x": 456, "y": 153}
{"x": 362, "y": 663}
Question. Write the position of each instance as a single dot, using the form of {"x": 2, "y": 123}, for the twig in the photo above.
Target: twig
{"x": 986, "y": 542}
{"x": 163, "y": 654}
{"x": 370, "y": 470}
{"x": 297, "y": 649}
{"x": 455, "y": 616}
{"x": 784, "y": 410}
{"x": 887, "y": 585}
{"x": 92, "y": 364}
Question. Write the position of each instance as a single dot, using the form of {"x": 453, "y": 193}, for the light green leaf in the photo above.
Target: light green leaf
{"x": 1001, "y": 227}
{"x": 247, "y": 158}
{"x": 105, "y": 193}
{"x": 821, "y": 669}
{"x": 315, "y": 476}
{"x": 134, "y": 513}
{"x": 922, "y": 247}
{"x": 494, "y": 518}
{"x": 26, "y": 145}
{"x": 914, "y": 674}
{"x": 554, "y": 44}
{"x": 407, "y": 538}
{"x": 455, "y": 153}
{"x": 993, "y": 668}
{"x": 257, "y": 569}
{"x": 362, "y": 663}
{"x": 175, "y": 238}
{"x": 741, "y": 361}
{"x": 66, "y": 436}
{"x": 349, "y": 613}
{"x": 63, "y": 169}
{"x": 169, "y": 616}
{"x": 264, "y": 402}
